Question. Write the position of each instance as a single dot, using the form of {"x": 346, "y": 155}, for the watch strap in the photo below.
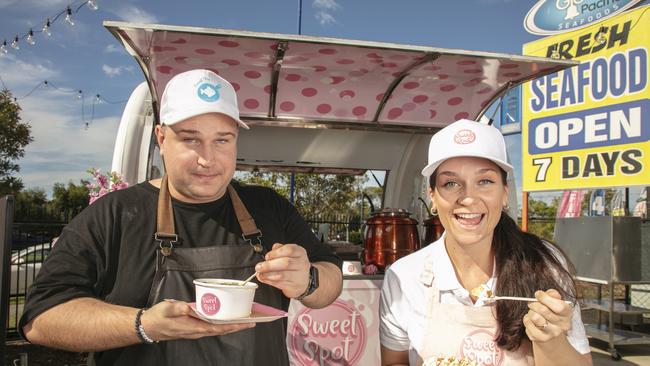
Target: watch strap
{"x": 313, "y": 283}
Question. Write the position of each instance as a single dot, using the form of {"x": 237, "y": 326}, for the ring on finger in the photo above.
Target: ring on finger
{"x": 544, "y": 326}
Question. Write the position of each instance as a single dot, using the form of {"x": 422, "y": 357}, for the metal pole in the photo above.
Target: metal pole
{"x": 300, "y": 18}
{"x": 524, "y": 211}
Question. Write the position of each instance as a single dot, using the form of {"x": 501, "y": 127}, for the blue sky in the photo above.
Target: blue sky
{"x": 86, "y": 57}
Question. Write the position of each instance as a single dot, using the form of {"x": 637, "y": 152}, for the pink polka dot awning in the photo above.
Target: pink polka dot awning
{"x": 300, "y": 79}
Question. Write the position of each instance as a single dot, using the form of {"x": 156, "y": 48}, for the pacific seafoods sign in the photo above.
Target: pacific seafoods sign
{"x": 558, "y": 16}
{"x": 589, "y": 126}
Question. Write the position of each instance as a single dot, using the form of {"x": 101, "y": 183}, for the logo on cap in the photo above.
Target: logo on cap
{"x": 464, "y": 137}
{"x": 208, "y": 92}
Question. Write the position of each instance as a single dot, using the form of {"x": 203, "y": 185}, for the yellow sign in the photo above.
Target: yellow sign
{"x": 589, "y": 126}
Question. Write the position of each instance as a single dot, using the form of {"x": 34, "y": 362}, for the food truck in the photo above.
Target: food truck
{"x": 322, "y": 105}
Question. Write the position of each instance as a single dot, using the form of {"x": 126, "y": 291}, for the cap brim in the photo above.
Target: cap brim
{"x": 429, "y": 169}
{"x": 187, "y": 115}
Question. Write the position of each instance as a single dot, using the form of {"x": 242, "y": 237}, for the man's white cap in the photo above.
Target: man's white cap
{"x": 196, "y": 92}
{"x": 467, "y": 138}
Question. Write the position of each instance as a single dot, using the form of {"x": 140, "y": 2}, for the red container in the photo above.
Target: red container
{"x": 390, "y": 235}
{"x": 433, "y": 230}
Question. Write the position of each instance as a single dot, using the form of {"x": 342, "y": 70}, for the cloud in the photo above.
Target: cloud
{"x": 111, "y": 48}
{"x": 63, "y": 149}
{"x": 326, "y": 4}
{"x": 133, "y": 14}
{"x": 20, "y": 76}
{"x": 325, "y": 18}
{"x": 36, "y": 4}
{"x": 115, "y": 71}
{"x": 325, "y": 8}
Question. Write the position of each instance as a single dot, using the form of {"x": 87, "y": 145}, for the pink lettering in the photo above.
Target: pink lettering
{"x": 330, "y": 327}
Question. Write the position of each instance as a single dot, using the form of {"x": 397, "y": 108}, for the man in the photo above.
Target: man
{"x": 141, "y": 247}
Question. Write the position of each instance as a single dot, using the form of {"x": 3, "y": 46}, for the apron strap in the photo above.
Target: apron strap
{"x": 166, "y": 234}
{"x": 250, "y": 233}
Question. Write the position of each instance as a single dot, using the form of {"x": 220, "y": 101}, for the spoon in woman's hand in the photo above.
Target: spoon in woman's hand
{"x": 515, "y": 298}
{"x": 248, "y": 279}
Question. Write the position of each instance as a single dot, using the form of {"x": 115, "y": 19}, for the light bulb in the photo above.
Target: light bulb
{"x": 14, "y": 44}
{"x": 68, "y": 17}
{"x": 3, "y": 47}
{"x": 30, "y": 38}
{"x": 46, "y": 29}
{"x": 93, "y": 4}
{"x": 98, "y": 99}
{"x": 79, "y": 94}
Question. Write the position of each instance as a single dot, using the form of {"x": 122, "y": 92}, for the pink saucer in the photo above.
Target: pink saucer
{"x": 259, "y": 314}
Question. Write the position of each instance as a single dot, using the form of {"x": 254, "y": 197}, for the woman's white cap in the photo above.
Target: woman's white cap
{"x": 467, "y": 138}
{"x": 196, "y": 92}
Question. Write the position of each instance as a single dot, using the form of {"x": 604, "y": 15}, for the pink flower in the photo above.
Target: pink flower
{"x": 104, "y": 184}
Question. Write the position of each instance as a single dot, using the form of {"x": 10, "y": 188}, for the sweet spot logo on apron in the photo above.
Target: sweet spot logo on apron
{"x": 479, "y": 346}
{"x": 210, "y": 304}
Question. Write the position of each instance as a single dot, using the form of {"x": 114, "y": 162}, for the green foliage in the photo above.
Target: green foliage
{"x": 14, "y": 136}
{"x": 71, "y": 199}
{"x": 324, "y": 197}
{"x": 542, "y": 216}
{"x": 30, "y": 203}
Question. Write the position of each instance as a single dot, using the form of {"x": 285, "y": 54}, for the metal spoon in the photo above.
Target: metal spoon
{"x": 248, "y": 279}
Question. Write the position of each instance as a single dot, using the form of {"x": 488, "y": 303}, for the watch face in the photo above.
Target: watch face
{"x": 313, "y": 274}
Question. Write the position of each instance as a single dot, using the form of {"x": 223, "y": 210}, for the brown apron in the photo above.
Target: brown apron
{"x": 460, "y": 331}
{"x": 177, "y": 267}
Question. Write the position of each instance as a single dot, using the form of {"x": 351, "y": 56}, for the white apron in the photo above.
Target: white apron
{"x": 460, "y": 331}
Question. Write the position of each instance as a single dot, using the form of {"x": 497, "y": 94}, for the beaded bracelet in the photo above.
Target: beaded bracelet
{"x": 139, "y": 329}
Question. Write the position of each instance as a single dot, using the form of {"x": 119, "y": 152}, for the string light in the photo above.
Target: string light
{"x": 46, "y": 28}
{"x": 14, "y": 44}
{"x": 79, "y": 95}
{"x": 68, "y": 17}
{"x": 30, "y": 38}
{"x": 92, "y": 4}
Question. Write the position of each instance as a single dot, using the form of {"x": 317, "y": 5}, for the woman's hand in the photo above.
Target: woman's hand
{"x": 548, "y": 318}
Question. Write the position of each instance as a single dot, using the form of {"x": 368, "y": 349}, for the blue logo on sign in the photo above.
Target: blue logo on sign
{"x": 208, "y": 92}
{"x": 559, "y": 16}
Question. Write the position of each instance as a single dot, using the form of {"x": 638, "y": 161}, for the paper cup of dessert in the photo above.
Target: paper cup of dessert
{"x": 224, "y": 299}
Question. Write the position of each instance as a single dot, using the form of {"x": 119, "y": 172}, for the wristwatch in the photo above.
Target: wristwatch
{"x": 313, "y": 283}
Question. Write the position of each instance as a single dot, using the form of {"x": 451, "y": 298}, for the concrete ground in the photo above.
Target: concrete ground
{"x": 632, "y": 355}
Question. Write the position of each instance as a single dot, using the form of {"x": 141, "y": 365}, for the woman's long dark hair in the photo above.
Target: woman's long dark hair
{"x": 524, "y": 264}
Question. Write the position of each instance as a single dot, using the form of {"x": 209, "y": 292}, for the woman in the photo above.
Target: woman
{"x": 428, "y": 310}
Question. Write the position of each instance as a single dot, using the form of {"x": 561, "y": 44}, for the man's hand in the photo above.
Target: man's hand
{"x": 286, "y": 267}
{"x": 171, "y": 319}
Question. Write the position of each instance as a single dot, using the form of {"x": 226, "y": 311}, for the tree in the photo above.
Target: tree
{"x": 31, "y": 204}
{"x": 323, "y": 198}
{"x": 14, "y": 136}
{"x": 70, "y": 200}
{"x": 543, "y": 217}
